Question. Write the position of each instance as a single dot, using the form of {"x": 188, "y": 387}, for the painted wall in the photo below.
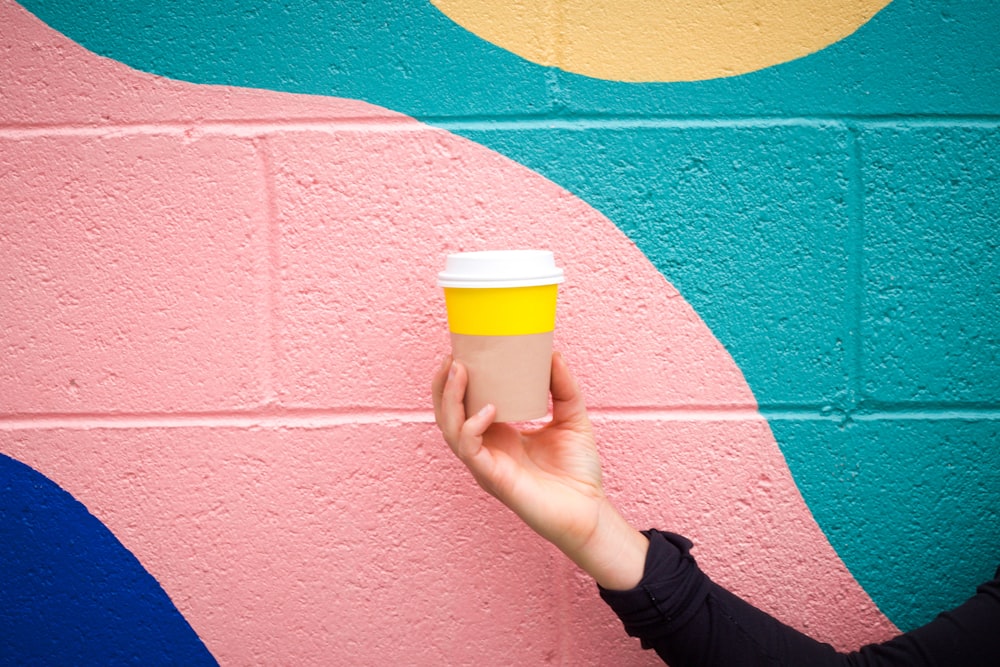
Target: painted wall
{"x": 219, "y": 230}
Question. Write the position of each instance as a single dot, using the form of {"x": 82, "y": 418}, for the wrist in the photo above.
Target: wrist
{"x": 615, "y": 553}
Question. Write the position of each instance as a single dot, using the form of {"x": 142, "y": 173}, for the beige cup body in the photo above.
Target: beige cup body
{"x": 511, "y": 372}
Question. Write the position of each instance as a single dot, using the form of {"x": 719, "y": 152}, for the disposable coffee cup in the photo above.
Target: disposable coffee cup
{"x": 502, "y": 313}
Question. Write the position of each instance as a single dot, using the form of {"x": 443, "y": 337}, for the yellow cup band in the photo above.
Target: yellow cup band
{"x": 505, "y": 311}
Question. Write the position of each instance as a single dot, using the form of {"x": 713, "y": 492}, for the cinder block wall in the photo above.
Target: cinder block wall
{"x": 218, "y": 241}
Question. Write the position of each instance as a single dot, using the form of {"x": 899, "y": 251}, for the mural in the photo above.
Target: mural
{"x": 781, "y": 304}
{"x": 652, "y": 41}
{"x": 71, "y": 594}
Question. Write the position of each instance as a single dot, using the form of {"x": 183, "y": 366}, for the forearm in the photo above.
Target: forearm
{"x": 614, "y": 554}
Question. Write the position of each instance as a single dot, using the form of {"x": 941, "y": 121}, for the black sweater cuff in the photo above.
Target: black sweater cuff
{"x": 671, "y": 591}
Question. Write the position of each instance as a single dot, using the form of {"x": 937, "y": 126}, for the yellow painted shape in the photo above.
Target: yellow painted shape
{"x": 661, "y": 40}
{"x": 511, "y": 311}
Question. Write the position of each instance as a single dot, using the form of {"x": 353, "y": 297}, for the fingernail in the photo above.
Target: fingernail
{"x": 483, "y": 410}
{"x": 451, "y": 370}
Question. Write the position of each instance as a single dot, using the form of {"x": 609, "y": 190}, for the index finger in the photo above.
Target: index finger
{"x": 567, "y": 400}
{"x": 451, "y": 409}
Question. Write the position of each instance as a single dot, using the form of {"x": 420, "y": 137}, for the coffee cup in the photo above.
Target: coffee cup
{"x": 501, "y": 314}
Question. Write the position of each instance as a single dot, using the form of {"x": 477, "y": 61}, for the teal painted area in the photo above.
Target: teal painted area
{"x": 922, "y": 502}
{"x": 751, "y": 224}
{"x": 912, "y": 58}
{"x": 930, "y": 321}
{"x": 834, "y": 220}
{"x": 915, "y": 57}
{"x": 401, "y": 55}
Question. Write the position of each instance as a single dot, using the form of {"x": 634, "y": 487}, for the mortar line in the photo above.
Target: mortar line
{"x": 505, "y": 122}
{"x": 560, "y": 103}
{"x": 319, "y": 418}
{"x": 244, "y": 420}
{"x": 562, "y": 575}
{"x": 273, "y": 274}
{"x": 855, "y": 270}
{"x": 570, "y": 121}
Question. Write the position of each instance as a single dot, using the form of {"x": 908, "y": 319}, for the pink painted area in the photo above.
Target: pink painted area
{"x": 376, "y": 211}
{"x": 353, "y": 544}
{"x": 55, "y": 82}
{"x": 258, "y": 296}
{"x": 122, "y": 290}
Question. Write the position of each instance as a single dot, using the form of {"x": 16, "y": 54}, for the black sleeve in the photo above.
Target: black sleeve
{"x": 687, "y": 619}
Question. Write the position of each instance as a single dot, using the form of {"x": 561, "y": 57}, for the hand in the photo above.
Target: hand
{"x": 549, "y": 476}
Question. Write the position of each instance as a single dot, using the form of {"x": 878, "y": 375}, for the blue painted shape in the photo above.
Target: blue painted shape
{"x": 71, "y": 594}
{"x": 727, "y": 221}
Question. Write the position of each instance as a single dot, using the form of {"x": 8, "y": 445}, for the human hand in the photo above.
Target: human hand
{"x": 549, "y": 476}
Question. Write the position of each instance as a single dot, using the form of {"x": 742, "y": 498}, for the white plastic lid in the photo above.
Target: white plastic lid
{"x": 500, "y": 268}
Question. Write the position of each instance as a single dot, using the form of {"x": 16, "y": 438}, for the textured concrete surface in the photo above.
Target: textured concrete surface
{"x": 220, "y": 321}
